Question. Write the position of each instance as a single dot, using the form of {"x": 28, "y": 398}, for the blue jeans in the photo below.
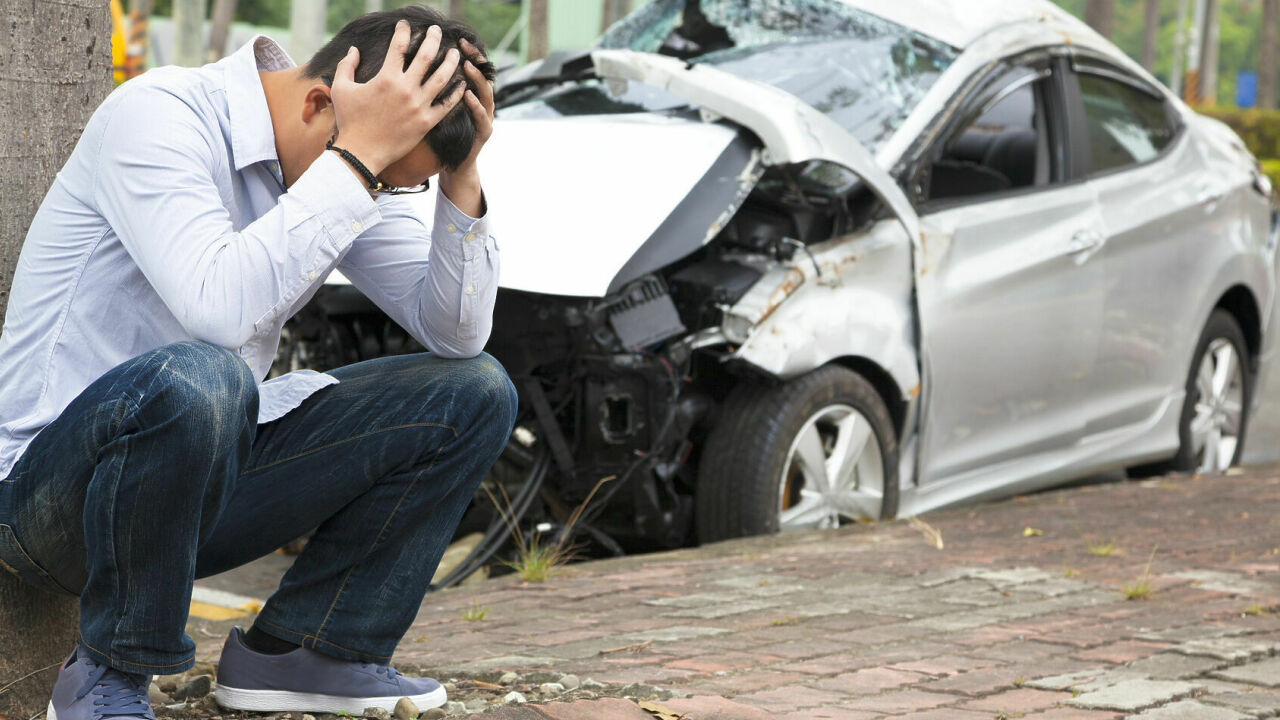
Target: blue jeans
{"x": 158, "y": 473}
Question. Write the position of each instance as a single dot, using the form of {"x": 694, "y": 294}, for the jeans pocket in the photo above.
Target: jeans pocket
{"x": 16, "y": 560}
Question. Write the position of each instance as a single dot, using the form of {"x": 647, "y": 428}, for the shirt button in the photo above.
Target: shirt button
{"x": 469, "y": 237}
{"x": 357, "y": 226}
{"x": 471, "y": 290}
{"x": 452, "y": 228}
{"x": 311, "y": 275}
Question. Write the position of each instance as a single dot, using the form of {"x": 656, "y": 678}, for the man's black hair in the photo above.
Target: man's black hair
{"x": 452, "y": 138}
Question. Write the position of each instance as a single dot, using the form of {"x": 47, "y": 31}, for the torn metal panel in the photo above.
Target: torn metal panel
{"x": 792, "y": 131}
{"x": 851, "y": 298}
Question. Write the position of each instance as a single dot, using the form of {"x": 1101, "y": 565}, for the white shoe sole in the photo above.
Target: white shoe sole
{"x": 286, "y": 701}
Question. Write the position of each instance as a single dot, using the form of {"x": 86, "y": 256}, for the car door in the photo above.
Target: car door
{"x": 1162, "y": 213}
{"x": 1010, "y": 302}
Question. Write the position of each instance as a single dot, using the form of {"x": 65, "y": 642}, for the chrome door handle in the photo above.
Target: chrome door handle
{"x": 1210, "y": 195}
{"x": 1084, "y": 240}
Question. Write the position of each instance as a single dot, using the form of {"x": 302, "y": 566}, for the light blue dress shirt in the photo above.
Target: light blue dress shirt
{"x": 170, "y": 222}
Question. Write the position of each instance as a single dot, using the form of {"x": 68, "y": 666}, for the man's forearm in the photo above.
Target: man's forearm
{"x": 462, "y": 187}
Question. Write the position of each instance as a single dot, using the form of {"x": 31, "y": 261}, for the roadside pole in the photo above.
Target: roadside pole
{"x": 188, "y": 32}
{"x": 1191, "y": 86}
{"x": 1179, "y": 49}
{"x": 1209, "y": 55}
{"x": 306, "y": 27}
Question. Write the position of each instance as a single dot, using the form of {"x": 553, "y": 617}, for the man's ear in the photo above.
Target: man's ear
{"x": 317, "y": 105}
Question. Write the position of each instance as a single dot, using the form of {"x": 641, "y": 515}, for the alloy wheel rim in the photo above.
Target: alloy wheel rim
{"x": 834, "y": 472}
{"x": 1219, "y": 408}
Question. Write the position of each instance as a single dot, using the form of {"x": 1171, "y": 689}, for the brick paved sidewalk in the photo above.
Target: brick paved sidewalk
{"x": 1021, "y": 613}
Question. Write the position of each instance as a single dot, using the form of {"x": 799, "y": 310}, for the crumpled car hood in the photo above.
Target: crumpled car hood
{"x": 574, "y": 198}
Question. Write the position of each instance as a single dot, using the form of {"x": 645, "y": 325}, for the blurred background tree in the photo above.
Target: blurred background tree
{"x": 1145, "y": 29}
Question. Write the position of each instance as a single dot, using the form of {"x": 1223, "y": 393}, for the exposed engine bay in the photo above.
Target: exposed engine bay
{"x": 623, "y": 386}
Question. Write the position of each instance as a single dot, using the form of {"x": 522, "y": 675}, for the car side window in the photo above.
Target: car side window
{"x": 1126, "y": 126}
{"x": 1005, "y": 148}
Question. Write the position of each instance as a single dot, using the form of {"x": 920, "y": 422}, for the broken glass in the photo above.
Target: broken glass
{"x": 864, "y": 72}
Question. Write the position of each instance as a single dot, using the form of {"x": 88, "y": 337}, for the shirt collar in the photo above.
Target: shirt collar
{"x": 253, "y": 139}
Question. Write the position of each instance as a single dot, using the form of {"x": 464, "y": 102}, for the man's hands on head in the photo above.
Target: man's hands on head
{"x": 462, "y": 184}
{"x": 380, "y": 121}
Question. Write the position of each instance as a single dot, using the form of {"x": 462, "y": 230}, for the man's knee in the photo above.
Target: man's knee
{"x": 205, "y": 383}
{"x": 485, "y": 380}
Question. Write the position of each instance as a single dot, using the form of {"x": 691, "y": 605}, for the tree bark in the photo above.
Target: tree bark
{"x": 1209, "y": 44}
{"x": 614, "y": 10}
{"x": 1268, "y": 55}
{"x": 537, "y": 48}
{"x": 1100, "y": 14}
{"x": 1150, "y": 30}
{"x": 219, "y": 29}
{"x": 55, "y": 68}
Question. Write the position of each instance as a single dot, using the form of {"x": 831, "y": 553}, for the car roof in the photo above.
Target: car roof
{"x": 960, "y": 23}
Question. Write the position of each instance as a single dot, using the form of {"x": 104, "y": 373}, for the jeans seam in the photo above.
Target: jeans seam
{"x": 317, "y": 639}
{"x": 6, "y": 529}
{"x": 353, "y": 437}
{"x": 377, "y": 539}
{"x": 130, "y": 662}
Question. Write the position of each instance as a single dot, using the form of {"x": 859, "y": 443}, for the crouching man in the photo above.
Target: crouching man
{"x": 140, "y": 447}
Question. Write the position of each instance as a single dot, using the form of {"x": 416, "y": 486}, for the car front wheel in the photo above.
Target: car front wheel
{"x": 1216, "y": 409}
{"x": 817, "y": 452}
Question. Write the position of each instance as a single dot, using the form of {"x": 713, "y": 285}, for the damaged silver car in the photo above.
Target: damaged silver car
{"x": 787, "y": 264}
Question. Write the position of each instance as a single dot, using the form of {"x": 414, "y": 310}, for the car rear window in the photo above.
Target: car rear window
{"x": 1127, "y": 126}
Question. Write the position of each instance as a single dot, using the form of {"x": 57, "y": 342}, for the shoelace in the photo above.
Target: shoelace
{"x": 390, "y": 672}
{"x": 119, "y": 693}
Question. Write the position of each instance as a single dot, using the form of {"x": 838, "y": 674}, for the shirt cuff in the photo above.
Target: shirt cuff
{"x": 454, "y": 223}
{"x": 338, "y": 199}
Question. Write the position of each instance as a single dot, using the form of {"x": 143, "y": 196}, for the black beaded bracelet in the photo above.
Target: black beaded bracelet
{"x": 372, "y": 182}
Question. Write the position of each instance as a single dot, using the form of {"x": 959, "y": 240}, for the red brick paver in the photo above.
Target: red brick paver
{"x": 872, "y": 621}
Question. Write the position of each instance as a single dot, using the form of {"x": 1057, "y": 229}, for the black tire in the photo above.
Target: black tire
{"x": 1221, "y": 325}
{"x": 740, "y": 471}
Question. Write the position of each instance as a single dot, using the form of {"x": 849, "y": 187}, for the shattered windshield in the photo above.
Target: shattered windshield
{"x": 862, "y": 71}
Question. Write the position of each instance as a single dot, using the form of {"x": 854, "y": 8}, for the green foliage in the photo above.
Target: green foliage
{"x": 490, "y": 18}
{"x": 1260, "y": 129}
{"x": 1238, "y": 29}
{"x": 1272, "y": 169}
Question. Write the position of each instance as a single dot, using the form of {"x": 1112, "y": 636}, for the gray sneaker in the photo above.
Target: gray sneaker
{"x": 86, "y": 690}
{"x": 304, "y": 680}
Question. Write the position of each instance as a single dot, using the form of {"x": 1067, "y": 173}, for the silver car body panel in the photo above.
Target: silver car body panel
{"x": 864, "y": 284}
{"x": 1017, "y": 328}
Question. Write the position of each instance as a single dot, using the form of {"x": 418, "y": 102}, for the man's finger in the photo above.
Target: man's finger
{"x": 443, "y": 75}
{"x": 442, "y": 108}
{"x": 346, "y": 70}
{"x": 426, "y": 53}
{"x": 479, "y": 113}
{"x": 473, "y": 53}
{"x": 483, "y": 88}
{"x": 394, "y": 61}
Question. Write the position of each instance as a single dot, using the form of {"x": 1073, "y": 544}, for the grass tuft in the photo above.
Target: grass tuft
{"x": 1100, "y": 548}
{"x": 1142, "y": 588}
{"x": 475, "y": 612}
{"x": 1256, "y": 610}
{"x": 538, "y": 559}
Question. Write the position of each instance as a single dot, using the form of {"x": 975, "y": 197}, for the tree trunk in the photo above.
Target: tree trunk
{"x": 188, "y": 32}
{"x": 614, "y": 10}
{"x": 1100, "y": 14}
{"x": 1150, "y": 29}
{"x": 1209, "y": 55}
{"x": 219, "y": 29}
{"x": 537, "y": 48}
{"x": 1268, "y": 44}
{"x": 55, "y": 68}
{"x": 456, "y": 10}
